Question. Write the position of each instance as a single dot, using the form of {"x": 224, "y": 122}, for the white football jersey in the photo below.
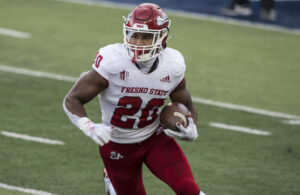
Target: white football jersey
{"x": 131, "y": 103}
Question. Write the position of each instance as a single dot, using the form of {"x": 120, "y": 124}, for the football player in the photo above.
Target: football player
{"x": 132, "y": 81}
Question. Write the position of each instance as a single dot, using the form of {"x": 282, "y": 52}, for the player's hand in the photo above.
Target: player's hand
{"x": 189, "y": 133}
{"x": 100, "y": 133}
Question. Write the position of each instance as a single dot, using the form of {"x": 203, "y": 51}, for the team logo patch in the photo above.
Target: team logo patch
{"x": 115, "y": 155}
{"x": 160, "y": 20}
{"x": 124, "y": 75}
{"x": 166, "y": 79}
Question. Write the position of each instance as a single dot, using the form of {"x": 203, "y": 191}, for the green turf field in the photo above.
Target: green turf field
{"x": 238, "y": 65}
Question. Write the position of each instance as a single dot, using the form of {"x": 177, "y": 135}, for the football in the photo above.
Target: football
{"x": 172, "y": 113}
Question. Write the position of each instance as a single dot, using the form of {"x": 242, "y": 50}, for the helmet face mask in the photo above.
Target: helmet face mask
{"x": 148, "y": 51}
{"x": 150, "y": 24}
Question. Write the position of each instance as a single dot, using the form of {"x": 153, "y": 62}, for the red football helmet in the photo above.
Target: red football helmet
{"x": 147, "y": 18}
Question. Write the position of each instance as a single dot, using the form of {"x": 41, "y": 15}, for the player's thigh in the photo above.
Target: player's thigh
{"x": 167, "y": 161}
{"x": 124, "y": 167}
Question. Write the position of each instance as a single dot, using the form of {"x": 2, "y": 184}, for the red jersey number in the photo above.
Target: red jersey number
{"x": 129, "y": 106}
{"x": 98, "y": 59}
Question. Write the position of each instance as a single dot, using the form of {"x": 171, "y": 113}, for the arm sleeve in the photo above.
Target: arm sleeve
{"x": 179, "y": 68}
{"x": 73, "y": 118}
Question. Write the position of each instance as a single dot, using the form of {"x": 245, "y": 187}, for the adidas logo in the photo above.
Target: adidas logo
{"x": 166, "y": 79}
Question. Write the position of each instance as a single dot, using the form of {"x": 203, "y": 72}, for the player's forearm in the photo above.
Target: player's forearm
{"x": 74, "y": 106}
{"x": 194, "y": 115}
{"x": 74, "y": 110}
{"x": 193, "y": 110}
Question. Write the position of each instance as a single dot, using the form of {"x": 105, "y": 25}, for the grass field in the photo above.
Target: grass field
{"x": 239, "y": 65}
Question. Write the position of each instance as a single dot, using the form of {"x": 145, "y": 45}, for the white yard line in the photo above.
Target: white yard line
{"x": 240, "y": 129}
{"x": 14, "y": 33}
{"x": 25, "y": 190}
{"x": 292, "y": 122}
{"x": 36, "y": 73}
{"x": 193, "y": 15}
{"x": 32, "y": 138}
{"x": 195, "y": 99}
{"x": 245, "y": 108}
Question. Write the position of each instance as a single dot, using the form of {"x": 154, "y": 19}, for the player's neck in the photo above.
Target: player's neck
{"x": 147, "y": 66}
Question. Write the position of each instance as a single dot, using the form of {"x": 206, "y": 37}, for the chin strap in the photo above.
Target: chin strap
{"x": 133, "y": 59}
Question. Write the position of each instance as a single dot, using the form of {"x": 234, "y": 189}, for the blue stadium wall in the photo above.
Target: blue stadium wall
{"x": 288, "y": 11}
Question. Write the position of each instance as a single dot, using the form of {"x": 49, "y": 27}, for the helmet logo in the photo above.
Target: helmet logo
{"x": 141, "y": 26}
{"x": 162, "y": 19}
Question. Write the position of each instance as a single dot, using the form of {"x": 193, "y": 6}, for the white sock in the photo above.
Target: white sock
{"x": 201, "y": 193}
{"x": 109, "y": 187}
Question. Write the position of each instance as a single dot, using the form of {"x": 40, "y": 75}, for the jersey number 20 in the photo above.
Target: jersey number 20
{"x": 129, "y": 106}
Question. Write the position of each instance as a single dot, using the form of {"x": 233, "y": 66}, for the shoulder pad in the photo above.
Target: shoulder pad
{"x": 176, "y": 59}
{"x": 109, "y": 58}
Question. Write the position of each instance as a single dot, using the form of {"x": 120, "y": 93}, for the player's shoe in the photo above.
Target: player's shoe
{"x": 109, "y": 189}
{"x": 241, "y": 10}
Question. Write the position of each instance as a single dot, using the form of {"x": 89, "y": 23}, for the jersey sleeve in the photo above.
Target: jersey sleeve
{"x": 179, "y": 67}
{"x": 104, "y": 63}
